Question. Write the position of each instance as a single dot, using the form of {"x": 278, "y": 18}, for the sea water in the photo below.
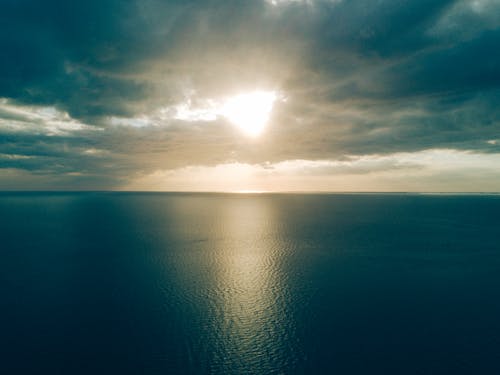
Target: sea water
{"x": 170, "y": 283}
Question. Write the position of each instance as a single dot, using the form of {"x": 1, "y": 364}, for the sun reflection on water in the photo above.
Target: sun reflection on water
{"x": 229, "y": 276}
{"x": 251, "y": 289}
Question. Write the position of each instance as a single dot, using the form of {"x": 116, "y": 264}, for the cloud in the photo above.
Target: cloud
{"x": 137, "y": 81}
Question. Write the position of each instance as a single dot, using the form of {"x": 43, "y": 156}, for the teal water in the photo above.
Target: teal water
{"x": 124, "y": 283}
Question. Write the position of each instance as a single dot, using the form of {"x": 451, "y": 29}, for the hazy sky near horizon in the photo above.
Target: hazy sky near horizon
{"x": 385, "y": 95}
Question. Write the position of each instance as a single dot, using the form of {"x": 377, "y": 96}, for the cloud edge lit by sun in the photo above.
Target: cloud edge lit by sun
{"x": 250, "y": 111}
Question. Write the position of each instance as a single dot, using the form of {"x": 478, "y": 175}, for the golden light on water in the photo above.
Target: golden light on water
{"x": 251, "y": 288}
{"x": 250, "y": 111}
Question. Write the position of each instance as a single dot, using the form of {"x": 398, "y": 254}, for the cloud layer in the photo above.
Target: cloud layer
{"x": 97, "y": 94}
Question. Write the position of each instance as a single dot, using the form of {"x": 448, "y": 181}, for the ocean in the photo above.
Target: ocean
{"x": 181, "y": 283}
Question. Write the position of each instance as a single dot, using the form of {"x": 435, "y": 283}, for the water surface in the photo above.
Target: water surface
{"x": 122, "y": 283}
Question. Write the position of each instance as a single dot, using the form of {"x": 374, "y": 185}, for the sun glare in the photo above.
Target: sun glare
{"x": 250, "y": 112}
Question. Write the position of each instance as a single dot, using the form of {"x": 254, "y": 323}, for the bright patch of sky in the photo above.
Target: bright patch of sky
{"x": 429, "y": 170}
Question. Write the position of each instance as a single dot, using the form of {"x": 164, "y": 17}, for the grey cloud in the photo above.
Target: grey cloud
{"x": 360, "y": 77}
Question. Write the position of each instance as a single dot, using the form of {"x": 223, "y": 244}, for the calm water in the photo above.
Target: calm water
{"x": 107, "y": 283}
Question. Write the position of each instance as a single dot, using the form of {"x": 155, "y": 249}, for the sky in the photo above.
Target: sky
{"x": 250, "y": 95}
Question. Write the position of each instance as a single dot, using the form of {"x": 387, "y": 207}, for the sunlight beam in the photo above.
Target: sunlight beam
{"x": 250, "y": 111}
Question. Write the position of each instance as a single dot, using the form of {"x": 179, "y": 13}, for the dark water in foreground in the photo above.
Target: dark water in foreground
{"x": 105, "y": 283}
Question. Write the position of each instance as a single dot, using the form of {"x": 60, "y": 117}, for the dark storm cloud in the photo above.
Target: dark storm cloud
{"x": 71, "y": 54}
{"x": 92, "y": 58}
{"x": 371, "y": 28}
{"x": 359, "y": 77}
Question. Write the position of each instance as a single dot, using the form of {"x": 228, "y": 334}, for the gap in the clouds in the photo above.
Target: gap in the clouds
{"x": 249, "y": 111}
{"x": 436, "y": 170}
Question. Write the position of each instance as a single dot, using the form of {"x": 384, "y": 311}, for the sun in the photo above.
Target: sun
{"x": 250, "y": 111}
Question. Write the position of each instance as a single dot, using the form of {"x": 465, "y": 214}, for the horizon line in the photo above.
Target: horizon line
{"x": 255, "y": 192}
